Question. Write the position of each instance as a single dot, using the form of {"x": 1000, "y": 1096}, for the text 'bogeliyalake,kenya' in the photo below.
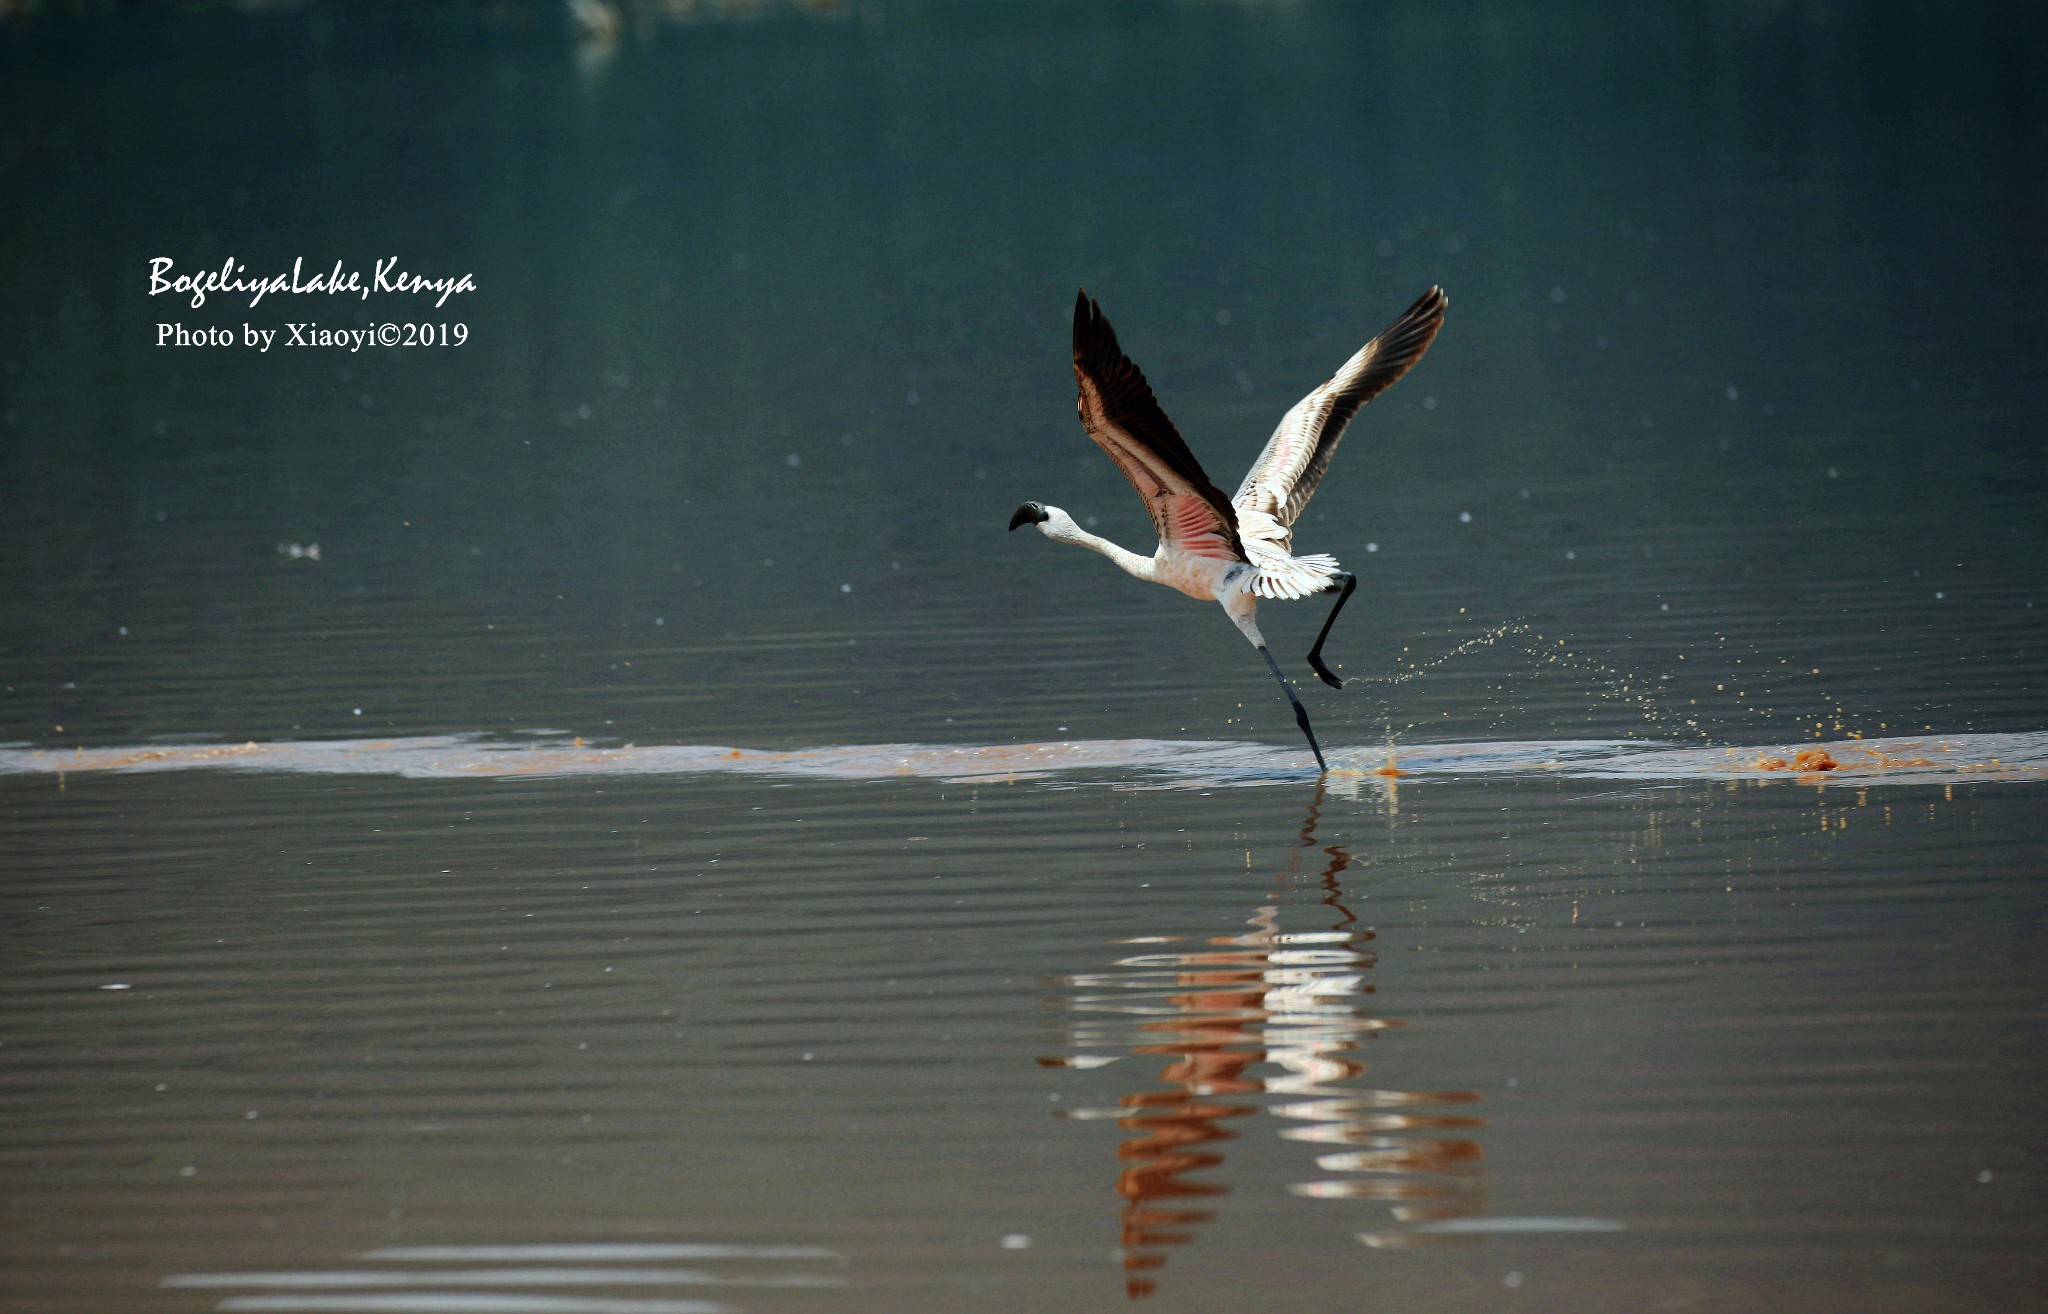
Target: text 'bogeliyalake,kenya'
{"x": 234, "y": 278}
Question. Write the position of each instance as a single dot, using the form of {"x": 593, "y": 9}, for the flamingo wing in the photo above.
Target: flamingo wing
{"x": 1286, "y": 474}
{"x": 1119, "y": 412}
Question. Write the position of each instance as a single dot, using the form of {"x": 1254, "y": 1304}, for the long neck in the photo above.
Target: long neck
{"x": 1129, "y": 562}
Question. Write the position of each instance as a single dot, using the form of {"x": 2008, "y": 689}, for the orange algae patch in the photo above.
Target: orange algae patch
{"x": 174, "y": 756}
{"x": 1806, "y": 760}
{"x": 1887, "y": 762}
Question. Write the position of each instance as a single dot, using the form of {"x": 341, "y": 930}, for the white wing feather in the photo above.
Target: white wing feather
{"x": 1285, "y": 476}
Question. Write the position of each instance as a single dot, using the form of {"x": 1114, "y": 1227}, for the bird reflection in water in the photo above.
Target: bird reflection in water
{"x": 1268, "y": 1020}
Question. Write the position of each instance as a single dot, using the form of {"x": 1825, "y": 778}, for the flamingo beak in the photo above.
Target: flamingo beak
{"x": 1031, "y": 513}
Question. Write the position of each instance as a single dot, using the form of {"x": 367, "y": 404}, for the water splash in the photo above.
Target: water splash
{"x": 1616, "y": 684}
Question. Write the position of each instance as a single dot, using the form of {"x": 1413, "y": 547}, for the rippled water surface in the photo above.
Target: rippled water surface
{"x": 603, "y": 819}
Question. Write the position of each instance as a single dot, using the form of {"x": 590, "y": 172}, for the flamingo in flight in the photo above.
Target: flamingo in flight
{"x": 1240, "y": 549}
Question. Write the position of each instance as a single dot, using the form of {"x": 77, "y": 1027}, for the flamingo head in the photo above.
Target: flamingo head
{"x": 1031, "y": 513}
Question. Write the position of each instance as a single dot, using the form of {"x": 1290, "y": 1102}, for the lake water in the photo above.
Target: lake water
{"x": 602, "y": 819}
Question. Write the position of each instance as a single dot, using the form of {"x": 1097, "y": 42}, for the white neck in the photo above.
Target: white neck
{"x": 1060, "y": 527}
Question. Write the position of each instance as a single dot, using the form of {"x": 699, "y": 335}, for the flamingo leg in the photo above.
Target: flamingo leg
{"x": 1300, "y": 712}
{"x": 1315, "y": 654}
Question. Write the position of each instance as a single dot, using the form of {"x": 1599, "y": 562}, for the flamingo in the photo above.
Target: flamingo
{"x": 1235, "y": 550}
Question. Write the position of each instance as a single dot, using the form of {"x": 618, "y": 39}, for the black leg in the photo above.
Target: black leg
{"x": 1300, "y": 712}
{"x": 1315, "y": 654}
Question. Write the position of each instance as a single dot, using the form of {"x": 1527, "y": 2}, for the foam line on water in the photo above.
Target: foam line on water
{"x": 461, "y": 1303}
{"x": 616, "y": 1252}
{"x": 1503, "y": 1226}
{"x": 1925, "y": 759}
{"x": 490, "y": 1277}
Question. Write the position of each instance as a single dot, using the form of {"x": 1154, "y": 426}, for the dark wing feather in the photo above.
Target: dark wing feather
{"x": 1286, "y": 474}
{"x": 1119, "y": 412}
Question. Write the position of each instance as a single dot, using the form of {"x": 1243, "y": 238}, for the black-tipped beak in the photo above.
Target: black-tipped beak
{"x": 1031, "y": 513}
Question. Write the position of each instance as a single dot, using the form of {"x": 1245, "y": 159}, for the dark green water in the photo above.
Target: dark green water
{"x": 1733, "y": 439}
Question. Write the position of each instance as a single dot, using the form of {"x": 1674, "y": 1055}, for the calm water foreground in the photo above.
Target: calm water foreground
{"x": 668, "y": 849}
